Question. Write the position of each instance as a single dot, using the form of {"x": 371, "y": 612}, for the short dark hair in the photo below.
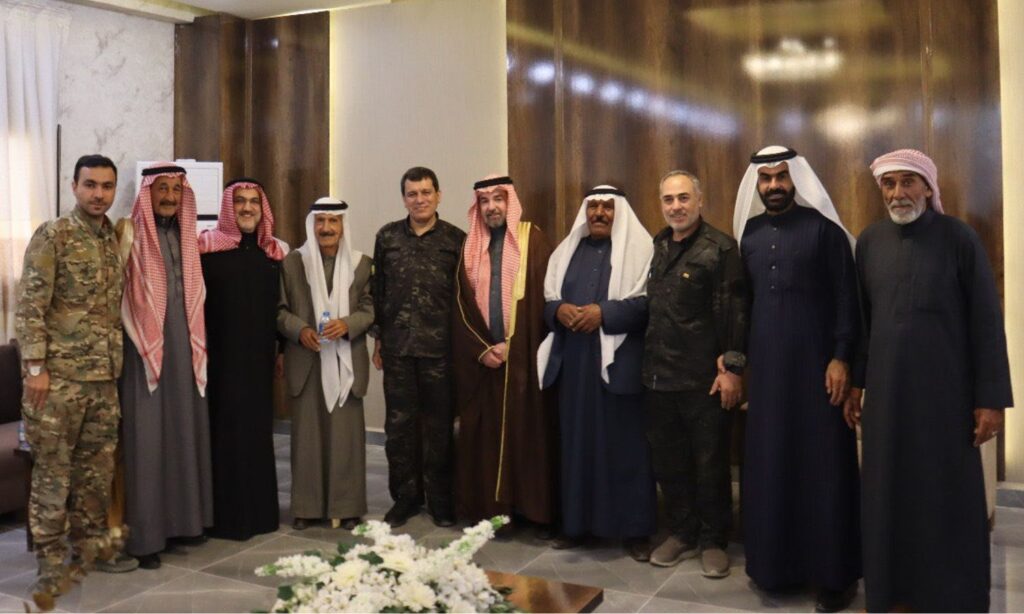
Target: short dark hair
{"x": 94, "y": 161}
{"x": 419, "y": 173}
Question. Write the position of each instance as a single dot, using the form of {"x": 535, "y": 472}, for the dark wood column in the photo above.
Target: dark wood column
{"x": 254, "y": 95}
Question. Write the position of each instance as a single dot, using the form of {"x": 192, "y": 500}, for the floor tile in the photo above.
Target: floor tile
{"x": 657, "y": 604}
{"x": 98, "y": 590}
{"x": 15, "y": 559}
{"x": 199, "y": 592}
{"x": 198, "y": 557}
{"x": 617, "y": 601}
{"x": 242, "y": 566}
{"x": 608, "y": 568}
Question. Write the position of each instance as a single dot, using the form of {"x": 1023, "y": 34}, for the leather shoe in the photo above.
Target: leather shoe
{"x": 564, "y": 542}
{"x": 300, "y": 524}
{"x": 446, "y": 519}
{"x": 350, "y": 523}
{"x": 545, "y": 532}
{"x": 638, "y": 548}
{"x": 192, "y": 540}
{"x": 400, "y": 513}
{"x": 149, "y": 561}
{"x": 833, "y": 601}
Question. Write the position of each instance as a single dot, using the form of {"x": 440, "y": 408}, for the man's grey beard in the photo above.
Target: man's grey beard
{"x": 905, "y": 218}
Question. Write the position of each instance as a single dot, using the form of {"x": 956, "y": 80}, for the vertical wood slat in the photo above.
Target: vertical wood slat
{"x": 920, "y": 74}
{"x": 254, "y": 95}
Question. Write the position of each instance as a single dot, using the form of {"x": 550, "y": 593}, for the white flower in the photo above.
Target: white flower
{"x": 416, "y": 596}
{"x": 398, "y": 561}
{"x": 349, "y": 572}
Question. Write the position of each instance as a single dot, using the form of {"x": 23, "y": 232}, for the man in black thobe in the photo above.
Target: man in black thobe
{"x": 241, "y": 263}
{"x": 800, "y": 485}
{"x": 935, "y": 365}
{"x": 596, "y": 308}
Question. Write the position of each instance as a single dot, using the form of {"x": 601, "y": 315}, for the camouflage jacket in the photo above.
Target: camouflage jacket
{"x": 413, "y": 284}
{"x": 69, "y": 299}
{"x": 699, "y": 309}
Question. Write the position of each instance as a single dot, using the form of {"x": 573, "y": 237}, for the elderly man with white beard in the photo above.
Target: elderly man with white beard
{"x": 934, "y": 360}
{"x": 327, "y": 370}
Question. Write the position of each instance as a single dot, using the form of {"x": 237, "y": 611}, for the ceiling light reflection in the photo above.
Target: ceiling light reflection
{"x": 641, "y": 101}
{"x": 794, "y": 61}
{"x": 542, "y": 73}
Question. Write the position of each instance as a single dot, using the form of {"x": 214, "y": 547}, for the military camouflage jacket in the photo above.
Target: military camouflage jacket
{"x": 699, "y": 309}
{"x": 413, "y": 285}
{"x": 69, "y": 299}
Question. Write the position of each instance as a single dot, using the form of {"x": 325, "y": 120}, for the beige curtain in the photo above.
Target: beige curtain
{"x": 31, "y": 37}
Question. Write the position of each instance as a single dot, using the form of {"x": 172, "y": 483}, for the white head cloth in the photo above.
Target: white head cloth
{"x": 336, "y": 374}
{"x": 809, "y": 191}
{"x": 632, "y": 249}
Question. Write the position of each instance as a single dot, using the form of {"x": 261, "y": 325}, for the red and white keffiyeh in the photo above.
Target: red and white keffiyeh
{"x": 475, "y": 253}
{"x": 144, "y": 304}
{"x": 226, "y": 236}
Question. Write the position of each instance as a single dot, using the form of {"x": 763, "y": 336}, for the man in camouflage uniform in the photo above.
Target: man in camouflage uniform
{"x": 69, "y": 329}
{"x": 415, "y": 260}
{"x": 692, "y": 365}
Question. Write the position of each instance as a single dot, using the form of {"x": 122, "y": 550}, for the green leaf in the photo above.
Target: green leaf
{"x": 343, "y": 548}
{"x": 372, "y": 558}
{"x": 315, "y": 553}
{"x": 285, "y": 592}
{"x": 504, "y": 590}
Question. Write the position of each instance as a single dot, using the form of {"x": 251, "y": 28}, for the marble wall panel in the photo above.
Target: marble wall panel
{"x": 116, "y": 95}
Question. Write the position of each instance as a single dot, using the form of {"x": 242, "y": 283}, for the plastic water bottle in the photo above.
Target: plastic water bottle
{"x": 324, "y": 319}
{"x": 22, "y": 441}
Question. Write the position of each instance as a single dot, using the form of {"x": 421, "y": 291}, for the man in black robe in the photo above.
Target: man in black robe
{"x": 596, "y": 308}
{"x": 934, "y": 361}
{"x": 800, "y": 486}
{"x": 241, "y": 263}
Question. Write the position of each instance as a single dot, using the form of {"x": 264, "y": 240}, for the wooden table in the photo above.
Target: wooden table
{"x": 539, "y": 595}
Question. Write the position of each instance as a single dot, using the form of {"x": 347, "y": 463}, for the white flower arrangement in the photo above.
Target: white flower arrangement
{"x": 393, "y": 574}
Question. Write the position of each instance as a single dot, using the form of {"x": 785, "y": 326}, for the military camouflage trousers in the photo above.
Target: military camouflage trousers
{"x": 73, "y": 438}
{"x": 418, "y": 425}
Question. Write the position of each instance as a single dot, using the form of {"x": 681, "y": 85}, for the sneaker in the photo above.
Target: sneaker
{"x": 714, "y": 563}
{"x": 671, "y": 551}
{"x": 122, "y": 563}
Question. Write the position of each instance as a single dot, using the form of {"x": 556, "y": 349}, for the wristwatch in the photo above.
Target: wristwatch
{"x": 36, "y": 369}
{"x": 734, "y": 362}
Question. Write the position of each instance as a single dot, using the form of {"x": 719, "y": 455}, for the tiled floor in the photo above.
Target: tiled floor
{"x": 218, "y": 576}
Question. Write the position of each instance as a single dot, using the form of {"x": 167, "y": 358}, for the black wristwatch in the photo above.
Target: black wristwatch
{"x": 734, "y": 362}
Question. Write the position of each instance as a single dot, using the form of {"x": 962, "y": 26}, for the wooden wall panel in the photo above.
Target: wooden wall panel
{"x": 254, "y": 95}
{"x": 290, "y": 114}
{"x": 636, "y": 89}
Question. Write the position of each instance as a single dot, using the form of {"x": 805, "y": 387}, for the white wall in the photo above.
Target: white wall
{"x": 415, "y": 84}
{"x": 116, "y": 95}
{"x": 1011, "y": 83}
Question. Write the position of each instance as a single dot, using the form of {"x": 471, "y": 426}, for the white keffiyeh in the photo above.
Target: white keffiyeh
{"x": 336, "y": 374}
{"x": 632, "y": 250}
